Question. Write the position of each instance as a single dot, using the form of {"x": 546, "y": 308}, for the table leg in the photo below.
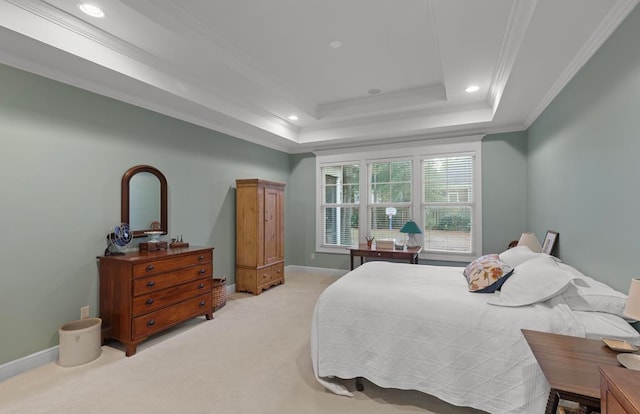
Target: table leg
{"x": 351, "y": 260}
{"x": 552, "y": 402}
{"x": 361, "y": 260}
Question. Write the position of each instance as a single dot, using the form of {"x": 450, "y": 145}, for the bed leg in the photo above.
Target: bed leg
{"x": 359, "y": 384}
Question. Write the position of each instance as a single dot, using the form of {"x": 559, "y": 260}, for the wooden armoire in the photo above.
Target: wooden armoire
{"x": 259, "y": 235}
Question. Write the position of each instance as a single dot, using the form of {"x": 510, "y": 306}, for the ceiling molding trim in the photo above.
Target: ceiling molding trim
{"x": 609, "y": 24}
{"x": 389, "y": 102}
{"x": 418, "y": 114}
{"x": 144, "y": 67}
{"x": 401, "y": 126}
{"x": 417, "y": 142}
{"x": 517, "y": 26}
{"x": 433, "y": 24}
{"x": 231, "y": 56}
{"x": 66, "y": 21}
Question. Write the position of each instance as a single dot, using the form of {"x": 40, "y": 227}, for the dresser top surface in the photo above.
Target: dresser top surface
{"x": 137, "y": 256}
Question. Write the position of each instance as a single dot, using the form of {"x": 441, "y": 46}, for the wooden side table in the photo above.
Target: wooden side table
{"x": 410, "y": 253}
{"x": 570, "y": 365}
{"x": 619, "y": 390}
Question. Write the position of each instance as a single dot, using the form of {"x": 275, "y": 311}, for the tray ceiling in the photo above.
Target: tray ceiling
{"x": 354, "y": 73}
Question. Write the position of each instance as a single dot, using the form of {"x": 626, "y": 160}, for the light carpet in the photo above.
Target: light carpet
{"x": 252, "y": 358}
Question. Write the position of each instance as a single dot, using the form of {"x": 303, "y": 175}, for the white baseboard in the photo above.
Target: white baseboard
{"x": 323, "y": 270}
{"x": 27, "y": 363}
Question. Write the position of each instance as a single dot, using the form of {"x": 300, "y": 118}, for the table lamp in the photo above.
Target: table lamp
{"x": 529, "y": 239}
{"x": 411, "y": 228}
{"x": 632, "y": 307}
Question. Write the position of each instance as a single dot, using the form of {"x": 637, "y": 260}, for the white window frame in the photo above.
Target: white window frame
{"x": 321, "y": 204}
{"x": 415, "y": 151}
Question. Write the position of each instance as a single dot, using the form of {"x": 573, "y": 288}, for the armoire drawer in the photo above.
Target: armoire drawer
{"x": 145, "y": 325}
{"x": 163, "y": 280}
{"x": 159, "y": 299}
{"x": 270, "y": 274}
{"x": 168, "y": 265}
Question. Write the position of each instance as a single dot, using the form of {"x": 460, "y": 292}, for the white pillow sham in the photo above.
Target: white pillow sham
{"x": 599, "y": 325}
{"x": 534, "y": 281}
{"x": 520, "y": 254}
{"x": 587, "y": 294}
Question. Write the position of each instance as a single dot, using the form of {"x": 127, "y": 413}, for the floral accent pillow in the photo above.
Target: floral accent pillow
{"x": 487, "y": 273}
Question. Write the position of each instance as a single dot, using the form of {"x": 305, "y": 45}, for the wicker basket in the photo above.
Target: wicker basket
{"x": 219, "y": 293}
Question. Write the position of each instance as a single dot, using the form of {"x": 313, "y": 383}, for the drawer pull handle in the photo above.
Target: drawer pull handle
{"x": 202, "y": 302}
{"x": 151, "y": 283}
{"x": 151, "y": 322}
{"x": 202, "y": 271}
{"x": 201, "y": 286}
{"x": 149, "y": 302}
{"x": 379, "y": 254}
{"x": 149, "y": 268}
{"x": 201, "y": 257}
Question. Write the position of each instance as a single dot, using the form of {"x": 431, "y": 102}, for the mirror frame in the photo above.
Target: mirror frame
{"x": 124, "y": 212}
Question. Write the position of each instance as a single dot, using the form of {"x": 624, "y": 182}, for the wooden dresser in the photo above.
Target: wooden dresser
{"x": 259, "y": 235}
{"x": 619, "y": 390}
{"x": 144, "y": 293}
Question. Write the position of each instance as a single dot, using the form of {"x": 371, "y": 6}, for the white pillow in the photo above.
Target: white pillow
{"x": 587, "y": 294}
{"x": 518, "y": 255}
{"x": 599, "y": 325}
{"x": 533, "y": 281}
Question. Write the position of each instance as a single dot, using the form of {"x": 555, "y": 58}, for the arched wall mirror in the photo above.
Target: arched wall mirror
{"x": 144, "y": 200}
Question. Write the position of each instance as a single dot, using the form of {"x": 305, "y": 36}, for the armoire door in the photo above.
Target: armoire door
{"x": 272, "y": 225}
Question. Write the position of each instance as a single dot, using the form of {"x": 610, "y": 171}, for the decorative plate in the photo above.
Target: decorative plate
{"x": 631, "y": 361}
{"x": 619, "y": 345}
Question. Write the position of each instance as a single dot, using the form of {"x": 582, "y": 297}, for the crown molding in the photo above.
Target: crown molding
{"x": 517, "y": 26}
{"x": 610, "y": 23}
{"x": 385, "y": 103}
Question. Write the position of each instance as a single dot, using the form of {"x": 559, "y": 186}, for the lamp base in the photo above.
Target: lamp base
{"x": 412, "y": 241}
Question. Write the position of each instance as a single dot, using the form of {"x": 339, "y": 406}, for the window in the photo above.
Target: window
{"x": 375, "y": 192}
{"x": 340, "y": 204}
{"x": 390, "y": 189}
{"x": 447, "y": 204}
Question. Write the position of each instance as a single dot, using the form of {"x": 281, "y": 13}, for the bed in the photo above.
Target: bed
{"x": 419, "y": 327}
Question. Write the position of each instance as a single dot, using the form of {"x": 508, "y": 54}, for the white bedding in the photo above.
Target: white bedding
{"x": 417, "y": 327}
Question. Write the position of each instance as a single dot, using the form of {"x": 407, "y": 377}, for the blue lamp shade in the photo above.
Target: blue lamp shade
{"x": 411, "y": 228}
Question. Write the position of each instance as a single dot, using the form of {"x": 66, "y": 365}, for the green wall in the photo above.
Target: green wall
{"x": 583, "y": 162}
{"x": 504, "y": 211}
{"x": 63, "y": 152}
{"x": 504, "y": 191}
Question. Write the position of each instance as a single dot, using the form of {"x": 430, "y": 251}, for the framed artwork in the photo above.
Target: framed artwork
{"x": 550, "y": 241}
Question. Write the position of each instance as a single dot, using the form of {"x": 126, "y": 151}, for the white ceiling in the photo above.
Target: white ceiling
{"x": 243, "y": 66}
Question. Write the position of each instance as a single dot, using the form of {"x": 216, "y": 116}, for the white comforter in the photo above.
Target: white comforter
{"x": 417, "y": 327}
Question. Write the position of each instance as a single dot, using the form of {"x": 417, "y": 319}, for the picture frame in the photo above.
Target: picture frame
{"x": 550, "y": 242}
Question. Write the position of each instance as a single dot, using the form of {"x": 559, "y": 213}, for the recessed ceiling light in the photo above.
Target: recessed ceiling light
{"x": 374, "y": 91}
{"x": 91, "y": 10}
{"x": 336, "y": 44}
{"x": 293, "y": 117}
{"x": 472, "y": 88}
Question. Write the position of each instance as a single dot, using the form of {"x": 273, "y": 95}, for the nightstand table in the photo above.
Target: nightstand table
{"x": 410, "y": 253}
{"x": 570, "y": 365}
{"x": 620, "y": 390}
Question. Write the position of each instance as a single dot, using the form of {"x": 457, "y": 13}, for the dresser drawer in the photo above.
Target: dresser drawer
{"x": 161, "y": 298}
{"x": 165, "y": 280}
{"x": 148, "y": 324}
{"x": 167, "y": 265}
